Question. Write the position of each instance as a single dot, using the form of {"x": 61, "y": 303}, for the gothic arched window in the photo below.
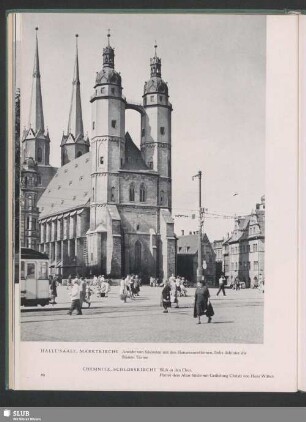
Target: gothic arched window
{"x": 142, "y": 193}
{"x": 39, "y": 155}
{"x": 132, "y": 192}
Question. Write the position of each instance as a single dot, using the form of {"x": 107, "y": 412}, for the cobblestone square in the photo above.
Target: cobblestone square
{"x": 238, "y": 319}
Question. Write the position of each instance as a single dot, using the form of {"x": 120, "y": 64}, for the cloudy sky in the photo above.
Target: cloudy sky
{"x": 215, "y": 69}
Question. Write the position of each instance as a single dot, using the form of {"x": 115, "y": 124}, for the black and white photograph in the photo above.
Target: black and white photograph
{"x": 140, "y": 144}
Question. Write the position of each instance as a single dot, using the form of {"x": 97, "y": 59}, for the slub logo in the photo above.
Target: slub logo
{"x": 7, "y": 413}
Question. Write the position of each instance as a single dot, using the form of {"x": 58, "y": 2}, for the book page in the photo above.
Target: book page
{"x": 302, "y": 206}
{"x": 159, "y": 180}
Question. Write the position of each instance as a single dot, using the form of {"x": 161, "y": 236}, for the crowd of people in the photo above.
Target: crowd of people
{"x": 81, "y": 291}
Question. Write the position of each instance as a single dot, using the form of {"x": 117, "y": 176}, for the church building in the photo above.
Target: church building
{"x": 35, "y": 170}
{"x": 107, "y": 210}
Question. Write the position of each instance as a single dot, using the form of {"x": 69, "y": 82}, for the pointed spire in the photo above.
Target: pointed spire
{"x": 36, "y": 117}
{"x": 155, "y": 63}
{"x": 75, "y": 122}
{"x": 108, "y": 54}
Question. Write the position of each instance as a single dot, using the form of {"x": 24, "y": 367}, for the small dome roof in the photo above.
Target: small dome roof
{"x": 108, "y": 76}
{"x": 154, "y": 85}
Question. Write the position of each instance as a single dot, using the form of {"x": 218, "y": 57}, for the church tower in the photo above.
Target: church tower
{"x": 36, "y": 141}
{"x": 74, "y": 144}
{"x": 107, "y": 156}
{"x": 156, "y": 130}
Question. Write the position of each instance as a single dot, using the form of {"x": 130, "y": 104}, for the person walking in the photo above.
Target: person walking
{"x": 89, "y": 292}
{"x": 201, "y": 301}
{"x": 173, "y": 294}
{"x": 53, "y": 290}
{"x": 83, "y": 299}
{"x": 221, "y": 285}
{"x": 75, "y": 298}
{"x": 123, "y": 290}
{"x": 165, "y": 297}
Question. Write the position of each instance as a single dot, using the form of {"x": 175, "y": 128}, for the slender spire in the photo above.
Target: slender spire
{"x": 108, "y": 54}
{"x": 155, "y": 64}
{"x": 36, "y": 117}
{"x": 75, "y": 122}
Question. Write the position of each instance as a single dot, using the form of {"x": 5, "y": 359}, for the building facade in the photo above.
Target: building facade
{"x": 108, "y": 208}
{"x": 217, "y": 246}
{"x": 246, "y": 247}
{"x": 187, "y": 258}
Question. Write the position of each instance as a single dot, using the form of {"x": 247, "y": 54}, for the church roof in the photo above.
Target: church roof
{"x": 188, "y": 245}
{"x": 133, "y": 157}
{"x": 70, "y": 188}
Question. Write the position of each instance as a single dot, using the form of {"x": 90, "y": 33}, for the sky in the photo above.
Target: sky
{"x": 215, "y": 69}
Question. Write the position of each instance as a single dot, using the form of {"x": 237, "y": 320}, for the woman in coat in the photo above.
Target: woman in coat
{"x": 201, "y": 301}
{"x": 53, "y": 290}
{"x": 165, "y": 298}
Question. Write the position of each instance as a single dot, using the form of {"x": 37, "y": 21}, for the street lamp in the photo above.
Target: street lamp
{"x": 200, "y": 268}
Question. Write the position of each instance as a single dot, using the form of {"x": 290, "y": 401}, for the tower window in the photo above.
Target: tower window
{"x": 102, "y": 90}
{"x": 132, "y": 193}
{"x": 93, "y": 125}
{"x": 150, "y": 164}
{"x": 38, "y": 179}
{"x": 160, "y": 98}
{"x": 101, "y": 160}
{"x": 113, "y": 194}
{"x": 39, "y": 155}
{"x": 162, "y": 197}
{"x": 114, "y": 123}
{"x": 113, "y": 90}
{"x": 142, "y": 193}
{"x": 152, "y": 98}
{"x": 162, "y": 130}
{"x": 28, "y": 223}
{"x": 143, "y": 132}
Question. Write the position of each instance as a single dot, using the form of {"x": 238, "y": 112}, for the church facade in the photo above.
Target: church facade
{"x": 107, "y": 210}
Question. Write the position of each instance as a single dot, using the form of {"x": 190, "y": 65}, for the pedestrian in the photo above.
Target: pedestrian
{"x": 178, "y": 285}
{"x": 53, "y": 290}
{"x": 128, "y": 285}
{"x": 237, "y": 284}
{"x": 83, "y": 299}
{"x": 104, "y": 288}
{"x": 123, "y": 290}
{"x": 75, "y": 298}
{"x": 221, "y": 285}
{"x": 89, "y": 292}
{"x": 166, "y": 297}
{"x": 173, "y": 294}
{"x": 201, "y": 301}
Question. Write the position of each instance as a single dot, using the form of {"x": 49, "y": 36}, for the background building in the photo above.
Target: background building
{"x": 246, "y": 247}
{"x": 187, "y": 258}
{"x": 217, "y": 246}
